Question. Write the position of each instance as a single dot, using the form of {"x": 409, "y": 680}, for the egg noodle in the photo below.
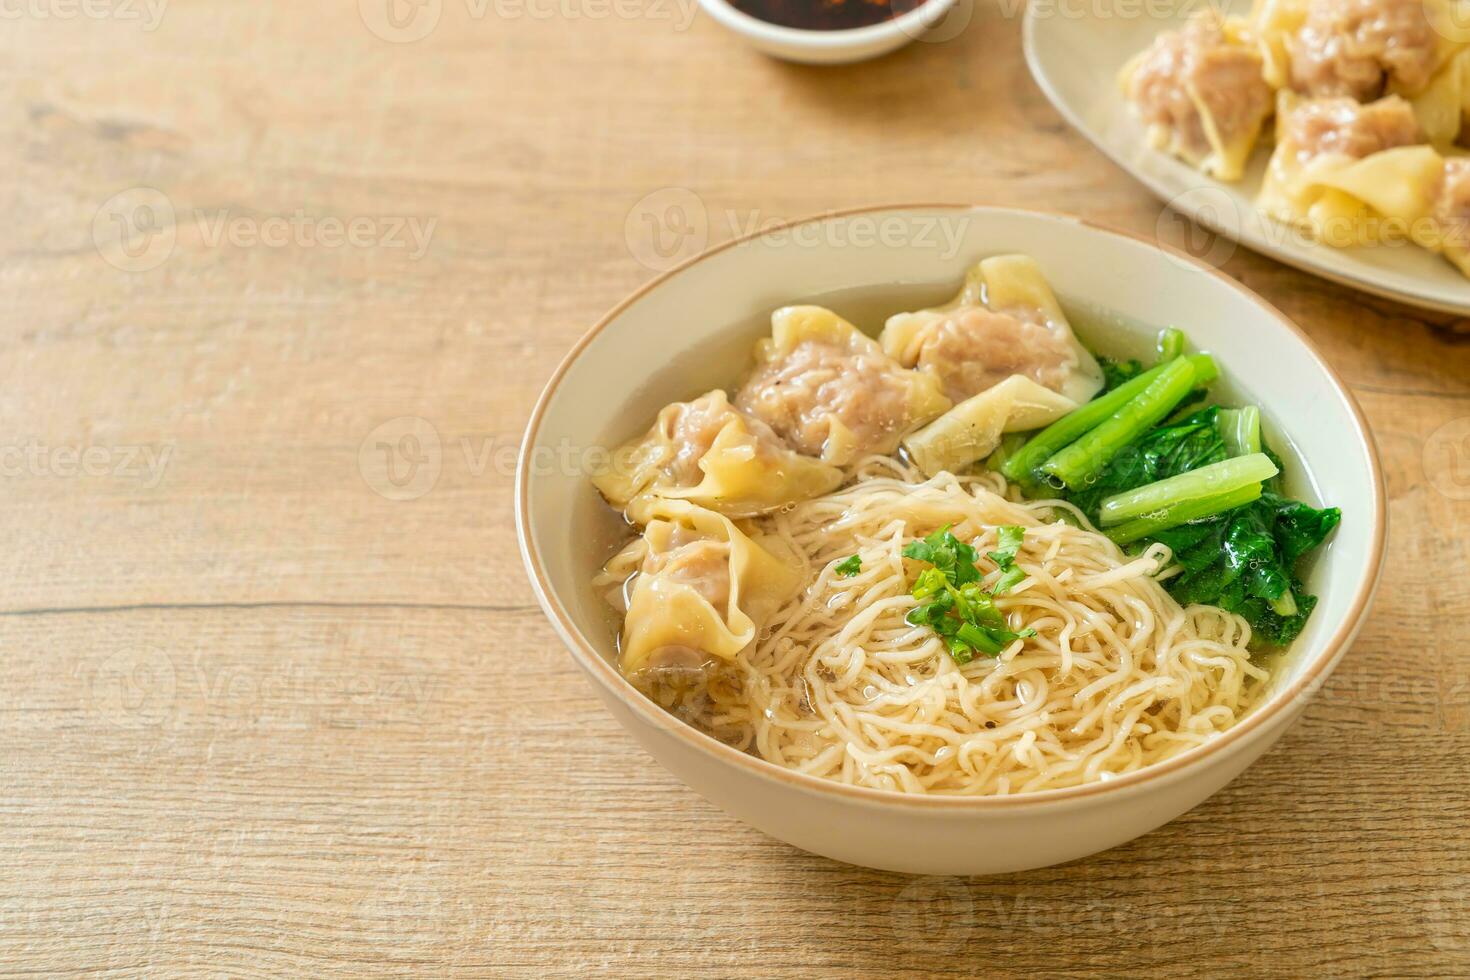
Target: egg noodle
{"x": 838, "y": 685}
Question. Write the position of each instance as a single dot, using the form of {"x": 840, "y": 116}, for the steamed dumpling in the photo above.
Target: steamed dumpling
{"x": 831, "y": 392}
{"x": 1005, "y": 321}
{"x": 1448, "y": 229}
{"x": 701, "y": 592}
{"x": 707, "y": 452}
{"x": 1350, "y": 173}
{"x": 1202, "y": 92}
{"x": 1442, "y": 106}
{"x": 1363, "y": 49}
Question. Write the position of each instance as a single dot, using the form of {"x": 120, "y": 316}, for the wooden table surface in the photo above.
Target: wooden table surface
{"x": 272, "y": 708}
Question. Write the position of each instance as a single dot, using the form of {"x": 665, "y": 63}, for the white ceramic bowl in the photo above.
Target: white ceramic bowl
{"x": 829, "y": 47}
{"x": 692, "y": 329}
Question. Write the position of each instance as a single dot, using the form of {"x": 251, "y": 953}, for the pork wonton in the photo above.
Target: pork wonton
{"x": 830, "y": 391}
{"x": 707, "y": 452}
{"x": 1005, "y": 321}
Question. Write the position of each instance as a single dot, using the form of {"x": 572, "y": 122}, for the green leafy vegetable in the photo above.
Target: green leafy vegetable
{"x": 1167, "y": 450}
{"x": 948, "y": 554}
{"x": 1010, "y": 540}
{"x": 1184, "y": 512}
{"x": 1239, "y": 547}
{"x": 1079, "y": 464}
{"x": 1240, "y": 428}
{"x": 1210, "y": 480}
{"x": 1022, "y": 465}
{"x": 953, "y": 602}
{"x": 1171, "y": 344}
{"x": 1244, "y": 562}
{"x": 849, "y": 567}
{"x": 1010, "y": 443}
{"x": 1116, "y": 373}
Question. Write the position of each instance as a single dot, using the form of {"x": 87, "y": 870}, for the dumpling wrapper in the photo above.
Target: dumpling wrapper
{"x": 829, "y": 389}
{"x": 1271, "y": 23}
{"x": 1345, "y": 201}
{"x": 1443, "y": 105}
{"x": 1224, "y": 155}
{"x": 746, "y": 469}
{"x": 1274, "y": 24}
{"x": 972, "y": 429}
{"x": 1448, "y": 229}
{"x": 710, "y": 592}
{"x": 1002, "y": 284}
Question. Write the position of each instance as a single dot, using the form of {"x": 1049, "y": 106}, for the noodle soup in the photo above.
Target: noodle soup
{"x": 834, "y": 571}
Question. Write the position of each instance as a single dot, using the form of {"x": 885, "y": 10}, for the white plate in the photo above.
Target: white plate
{"x": 1075, "y": 52}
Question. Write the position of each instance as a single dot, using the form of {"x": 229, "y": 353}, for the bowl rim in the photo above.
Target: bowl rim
{"x": 912, "y": 24}
{"x": 1301, "y": 689}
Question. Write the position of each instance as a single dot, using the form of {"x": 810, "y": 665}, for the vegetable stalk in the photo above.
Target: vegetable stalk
{"x": 1083, "y": 460}
{"x": 1171, "y": 344}
{"x": 1183, "y": 513}
{"x": 1022, "y": 465}
{"x": 1205, "y": 481}
{"x": 1240, "y": 428}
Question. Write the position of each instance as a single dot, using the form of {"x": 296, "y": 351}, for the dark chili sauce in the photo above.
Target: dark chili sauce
{"x": 825, "y": 15}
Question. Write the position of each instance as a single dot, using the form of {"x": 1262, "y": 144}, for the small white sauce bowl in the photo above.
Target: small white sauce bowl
{"x": 829, "y": 47}
{"x": 656, "y": 347}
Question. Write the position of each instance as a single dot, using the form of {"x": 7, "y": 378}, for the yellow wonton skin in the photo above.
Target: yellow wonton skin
{"x": 1448, "y": 230}
{"x": 1271, "y": 24}
{"x": 1362, "y": 49}
{"x": 829, "y": 391}
{"x": 703, "y": 588}
{"x": 707, "y": 452}
{"x": 1202, "y": 92}
{"x": 972, "y": 429}
{"x": 1444, "y": 105}
{"x": 1005, "y": 321}
{"x": 1343, "y": 200}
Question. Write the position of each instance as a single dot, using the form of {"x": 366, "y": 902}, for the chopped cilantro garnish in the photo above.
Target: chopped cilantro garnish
{"x": 954, "y": 604}
{"x": 849, "y": 567}
{"x": 1009, "y": 579}
{"x": 1010, "y": 545}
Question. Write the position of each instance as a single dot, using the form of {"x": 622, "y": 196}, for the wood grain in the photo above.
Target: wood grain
{"x": 259, "y": 719}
